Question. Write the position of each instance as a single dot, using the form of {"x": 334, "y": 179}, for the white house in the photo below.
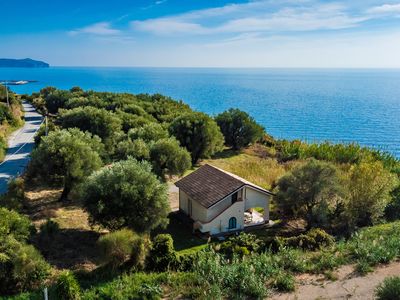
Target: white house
{"x": 219, "y": 202}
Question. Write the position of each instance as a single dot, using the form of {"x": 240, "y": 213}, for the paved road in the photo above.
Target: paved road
{"x": 20, "y": 145}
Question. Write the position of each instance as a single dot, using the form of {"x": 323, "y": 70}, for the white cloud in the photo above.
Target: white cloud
{"x": 257, "y": 16}
{"x": 385, "y": 9}
{"x": 102, "y": 29}
{"x": 168, "y": 26}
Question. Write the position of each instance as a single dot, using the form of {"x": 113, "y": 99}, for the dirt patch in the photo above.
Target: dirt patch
{"x": 348, "y": 285}
{"x": 173, "y": 196}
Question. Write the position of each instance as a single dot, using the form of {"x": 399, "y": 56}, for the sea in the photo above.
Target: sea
{"x": 314, "y": 105}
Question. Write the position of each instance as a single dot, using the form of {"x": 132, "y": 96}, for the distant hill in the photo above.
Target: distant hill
{"x": 22, "y": 63}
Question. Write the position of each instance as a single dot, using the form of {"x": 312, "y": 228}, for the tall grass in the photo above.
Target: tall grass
{"x": 338, "y": 153}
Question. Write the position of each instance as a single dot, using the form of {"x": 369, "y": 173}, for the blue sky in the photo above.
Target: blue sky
{"x": 203, "y": 33}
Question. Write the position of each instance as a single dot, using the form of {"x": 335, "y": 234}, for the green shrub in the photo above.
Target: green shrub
{"x": 22, "y": 267}
{"x": 49, "y": 229}
{"x": 140, "y": 251}
{"x": 116, "y": 247}
{"x": 15, "y": 224}
{"x": 241, "y": 245}
{"x": 389, "y": 289}
{"x": 314, "y": 239}
{"x": 162, "y": 255}
{"x": 392, "y": 210}
{"x": 284, "y": 282}
{"x": 150, "y": 292}
{"x": 67, "y": 287}
{"x": 15, "y": 196}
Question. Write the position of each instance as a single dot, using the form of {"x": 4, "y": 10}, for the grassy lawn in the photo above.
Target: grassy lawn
{"x": 181, "y": 232}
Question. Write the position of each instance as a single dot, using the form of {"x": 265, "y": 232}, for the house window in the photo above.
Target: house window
{"x": 234, "y": 197}
{"x": 232, "y": 223}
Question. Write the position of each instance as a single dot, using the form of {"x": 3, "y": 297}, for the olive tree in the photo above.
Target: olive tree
{"x": 168, "y": 158}
{"x": 67, "y": 156}
{"x": 369, "y": 191}
{"x": 198, "y": 133}
{"x": 126, "y": 194}
{"x": 308, "y": 191}
{"x": 148, "y": 132}
{"x": 238, "y": 128}
{"x": 97, "y": 121}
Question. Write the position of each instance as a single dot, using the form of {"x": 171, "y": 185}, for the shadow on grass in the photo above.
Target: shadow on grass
{"x": 181, "y": 232}
{"x": 226, "y": 153}
{"x": 69, "y": 248}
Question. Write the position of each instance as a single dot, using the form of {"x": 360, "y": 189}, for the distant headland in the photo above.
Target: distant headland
{"x": 22, "y": 63}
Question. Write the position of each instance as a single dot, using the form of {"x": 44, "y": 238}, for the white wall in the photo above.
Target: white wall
{"x": 216, "y": 209}
{"x": 183, "y": 201}
{"x": 199, "y": 212}
{"x": 255, "y": 198}
{"x": 221, "y": 223}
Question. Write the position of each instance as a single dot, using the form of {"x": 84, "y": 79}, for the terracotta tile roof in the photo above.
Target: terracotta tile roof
{"x": 208, "y": 185}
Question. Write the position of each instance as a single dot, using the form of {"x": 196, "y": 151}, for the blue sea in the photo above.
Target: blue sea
{"x": 338, "y": 105}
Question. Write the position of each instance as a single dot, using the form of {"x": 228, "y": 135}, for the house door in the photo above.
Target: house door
{"x": 190, "y": 207}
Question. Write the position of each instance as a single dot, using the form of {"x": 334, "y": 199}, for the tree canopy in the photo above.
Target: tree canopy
{"x": 126, "y": 194}
{"x": 199, "y": 134}
{"x": 168, "y": 158}
{"x": 239, "y": 129}
{"x": 309, "y": 190}
{"x": 97, "y": 121}
{"x": 369, "y": 187}
{"x": 67, "y": 156}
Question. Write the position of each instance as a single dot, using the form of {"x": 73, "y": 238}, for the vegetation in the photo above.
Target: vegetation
{"x": 168, "y": 158}
{"x": 309, "y": 191}
{"x": 369, "y": 188}
{"x": 111, "y": 153}
{"x": 126, "y": 194}
{"x": 67, "y": 287}
{"x": 66, "y": 156}
{"x": 21, "y": 265}
{"x": 238, "y": 128}
{"x": 389, "y": 289}
{"x": 162, "y": 255}
{"x": 11, "y": 117}
{"x": 116, "y": 247}
{"x": 199, "y": 134}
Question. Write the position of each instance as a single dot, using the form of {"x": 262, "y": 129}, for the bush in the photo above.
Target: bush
{"x": 284, "y": 282}
{"x": 21, "y": 266}
{"x": 314, "y": 239}
{"x": 392, "y": 210}
{"x": 49, "y": 229}
{"x": 150, "y": 292}
{"x": 162, "y": 255}
{"x": 116, "y": 247}
{"x": 15, "y": 225}
{"x": 67, "y": 287}
{"x": 15, "y": 196}
{"x": 389, "y": 289}
{"x": 241, "y": 245}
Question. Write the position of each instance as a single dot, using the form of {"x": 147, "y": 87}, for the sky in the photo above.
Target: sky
{"x": 203, "y": 33}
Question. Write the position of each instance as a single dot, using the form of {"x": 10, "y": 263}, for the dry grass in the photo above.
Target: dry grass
{"x": 256, "y": 164}
{"x": 74, "y": 245}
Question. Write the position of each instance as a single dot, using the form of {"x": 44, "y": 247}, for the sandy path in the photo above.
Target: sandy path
{"x": 348, "y": 285}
